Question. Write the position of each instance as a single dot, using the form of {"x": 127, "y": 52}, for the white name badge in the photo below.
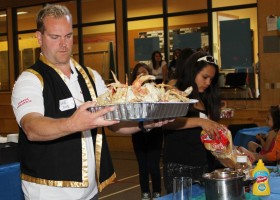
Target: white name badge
{"x": 66, "y": 104}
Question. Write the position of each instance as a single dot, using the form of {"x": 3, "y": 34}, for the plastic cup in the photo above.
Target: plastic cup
{"x": 182, "y": 188}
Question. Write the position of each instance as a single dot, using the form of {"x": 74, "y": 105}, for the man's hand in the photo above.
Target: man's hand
{"x": 83, "y": 119}
{"x": 41, "y": 128}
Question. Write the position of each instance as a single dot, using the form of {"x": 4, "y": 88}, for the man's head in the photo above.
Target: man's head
{"x": 55, "y": 34}
{"x": 56, "y": 11}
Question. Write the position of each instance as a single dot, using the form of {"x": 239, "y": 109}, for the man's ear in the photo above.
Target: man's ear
{"x": 39, "y": 37}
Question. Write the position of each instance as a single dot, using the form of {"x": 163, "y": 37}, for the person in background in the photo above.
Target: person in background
{"x": 159, "y": 67}
{"x": 267, "y": 142}
{"x": 61, "y": 155}
{"x": 183, "y": 152}
{"x": 147, "y": 148}
{"x": 172, "y": 64}
{"x": 184, "y": 55}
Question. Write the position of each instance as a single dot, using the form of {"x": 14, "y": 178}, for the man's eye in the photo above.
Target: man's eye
{"x": 69, "y": 36}
{"x": 54, "y": 36}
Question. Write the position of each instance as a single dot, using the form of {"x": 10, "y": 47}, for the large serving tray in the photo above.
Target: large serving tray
{"x": 142, "y": 111}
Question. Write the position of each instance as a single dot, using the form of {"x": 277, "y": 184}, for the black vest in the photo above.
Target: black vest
{"x": 62, "y": 162}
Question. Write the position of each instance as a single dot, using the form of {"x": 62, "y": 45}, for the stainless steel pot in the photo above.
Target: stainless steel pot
{"x": 224, "y": 184}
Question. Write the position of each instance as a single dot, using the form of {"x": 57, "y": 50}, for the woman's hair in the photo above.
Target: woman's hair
{"x": 52, "y": 10}
{"x": 185, "y": 54}
{"x": 137, "y": 67}
{"x": 211, "y": 96}
{"x": 275, "y": 115}
{"x": 154, "y": 60}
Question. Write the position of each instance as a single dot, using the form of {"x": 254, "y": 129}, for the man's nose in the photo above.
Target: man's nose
{"x": 62, "y": 41}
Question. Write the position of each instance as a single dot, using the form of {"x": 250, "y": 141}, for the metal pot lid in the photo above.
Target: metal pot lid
{"x": 223, "y": 174}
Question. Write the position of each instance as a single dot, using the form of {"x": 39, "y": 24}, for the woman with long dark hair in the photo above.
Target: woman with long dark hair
{"x": 159, "y": 67}
{"x": 184, "y": 153}
{"x": 147, "y": 148}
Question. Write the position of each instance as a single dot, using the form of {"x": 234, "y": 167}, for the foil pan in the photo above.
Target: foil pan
{"x": 142, "y": 111}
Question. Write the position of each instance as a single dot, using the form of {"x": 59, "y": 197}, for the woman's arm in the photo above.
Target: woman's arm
{"x": 126, "y": 127}
{"x": 269, "y": 138}
{"x": 252, "y": 156}
{"x": 211, "y": 127}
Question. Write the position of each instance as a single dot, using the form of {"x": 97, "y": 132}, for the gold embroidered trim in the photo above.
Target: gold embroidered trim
{"x": 84, "y": 160}
{"x": 102, "y": 185}
{"x": 47, "y": 62}
{"x": 83, "y": 141}
{"x": 91, "y": 73}
{"x": 98, "y": 144}
{"x": 86, "y": 78}
{"x": 38, "y": 76}
{"x": 98, "y": 147}
{"x": 53, "y": 182}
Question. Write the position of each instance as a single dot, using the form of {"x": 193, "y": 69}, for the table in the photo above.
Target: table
{"x": 274, "y": 181}
{"x": 245, "y": 135}
{"x": 10, "y": 182}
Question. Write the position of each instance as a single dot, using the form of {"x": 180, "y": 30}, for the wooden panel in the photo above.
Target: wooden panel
{"x": 6, "y": 111}
{"x": 242, "y": 116}
{"x": 8, "y": 126}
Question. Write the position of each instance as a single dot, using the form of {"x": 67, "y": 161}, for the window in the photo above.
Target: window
{"x": 144, "y": 37}
{"x": 26, "y": 17}
{"x": 186, "y": 5}
{"x": 143, "y": 8}
{"x": 96, "y": 10}
{"x": 99, "y": 46}
{"x": 98, "y": 39}
{"x": 4, "y": 61}
{"x": 223, "y": 3}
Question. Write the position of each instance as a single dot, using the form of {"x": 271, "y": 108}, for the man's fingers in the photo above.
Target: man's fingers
{"x": 87, "y": 105}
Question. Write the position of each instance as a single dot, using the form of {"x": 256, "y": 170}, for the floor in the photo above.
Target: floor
{"x": 126, "y": 186}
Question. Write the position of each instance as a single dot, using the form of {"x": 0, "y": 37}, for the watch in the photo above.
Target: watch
{"x": 142, "y": 128}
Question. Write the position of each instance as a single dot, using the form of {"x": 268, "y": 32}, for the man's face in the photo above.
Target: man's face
{"x": 57, "y": 40}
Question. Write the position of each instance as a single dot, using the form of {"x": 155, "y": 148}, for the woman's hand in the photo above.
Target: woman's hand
{"x": 156, "y": 123}
{"x": 249, "y": 154}
{"x": 212, "y": 128}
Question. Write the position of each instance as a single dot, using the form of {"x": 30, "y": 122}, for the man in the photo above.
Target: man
{"x": 61, "y": 154}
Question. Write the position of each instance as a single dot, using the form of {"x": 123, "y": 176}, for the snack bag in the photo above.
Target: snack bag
{"x": 219, "y": 143}
{"x": 221, "y": 147}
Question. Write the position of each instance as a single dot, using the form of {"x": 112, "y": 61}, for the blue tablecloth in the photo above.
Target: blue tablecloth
{"x": 10, "y": 182}
{"x": 245, "y": 135}
{"x": 274, "y": 182}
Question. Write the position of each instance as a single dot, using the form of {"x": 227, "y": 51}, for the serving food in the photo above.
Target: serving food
{"x": 222, "y": 148}
{"x": 142, "y": 111}
{"x": 144, "y": 100}
{"x": 142, "y": 90}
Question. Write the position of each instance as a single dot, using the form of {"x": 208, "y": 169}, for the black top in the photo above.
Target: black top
{"x": 184, "y": 146}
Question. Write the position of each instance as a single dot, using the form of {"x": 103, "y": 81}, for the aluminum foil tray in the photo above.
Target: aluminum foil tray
{"x": 142, "y": 111}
